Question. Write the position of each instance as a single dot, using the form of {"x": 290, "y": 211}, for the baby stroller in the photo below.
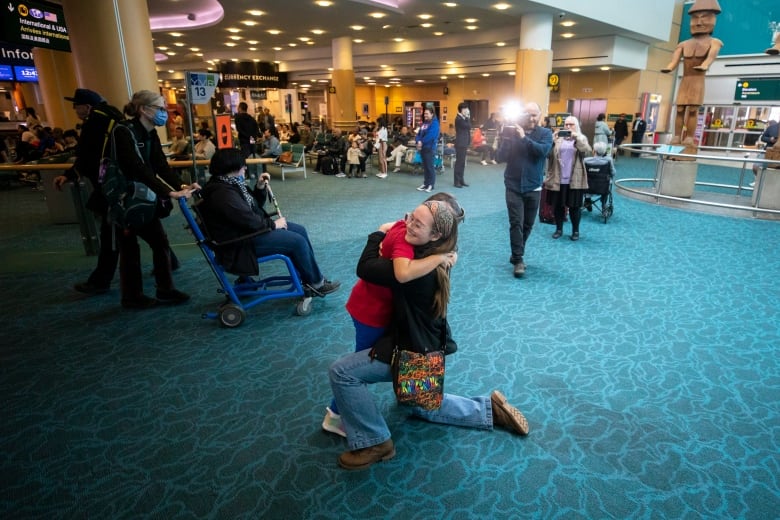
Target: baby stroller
{"x": 245, "y": 292}
{"x": 599, "y": 184}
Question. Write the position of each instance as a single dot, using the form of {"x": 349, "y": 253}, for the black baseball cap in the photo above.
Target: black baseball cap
{"x": 84, "y": 96}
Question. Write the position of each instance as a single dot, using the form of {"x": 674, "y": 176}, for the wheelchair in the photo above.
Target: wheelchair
{"x": 245, "y": 292}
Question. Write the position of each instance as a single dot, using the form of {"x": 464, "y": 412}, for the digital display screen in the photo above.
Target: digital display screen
{"x": 6, "y": 73}
{"x": 25, "y": 73}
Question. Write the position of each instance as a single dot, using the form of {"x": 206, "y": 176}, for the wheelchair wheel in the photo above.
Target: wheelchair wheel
{"x": 304, "y": 306}
{"x": 231, "y": 315}
{"x": 607, "y": 209}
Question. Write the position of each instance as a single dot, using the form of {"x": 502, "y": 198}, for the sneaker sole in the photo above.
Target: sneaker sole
{"x": 332, "y": 429}
{"x": 519, "y": 422}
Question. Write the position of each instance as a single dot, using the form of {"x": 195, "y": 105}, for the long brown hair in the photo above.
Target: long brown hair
{"x": 446, "y": 224}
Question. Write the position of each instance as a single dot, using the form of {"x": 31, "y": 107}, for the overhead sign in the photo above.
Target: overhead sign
{"x": 6, "y": 73}
{"x": 250, "y": 74}
{"x": 201, "y": 86}
{"x": 37, "y": 23}
{"x": 757, "y": 90}
{"x": 553, "y": 82}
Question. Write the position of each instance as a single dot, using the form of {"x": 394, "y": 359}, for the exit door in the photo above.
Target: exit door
{"x": 586, "y": 110}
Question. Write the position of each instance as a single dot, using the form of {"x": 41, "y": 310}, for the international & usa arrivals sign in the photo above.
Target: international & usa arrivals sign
{"x": 37, "y": 24}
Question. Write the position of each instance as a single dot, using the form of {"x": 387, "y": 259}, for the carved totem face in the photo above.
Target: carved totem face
{"x": 702, "y": 22}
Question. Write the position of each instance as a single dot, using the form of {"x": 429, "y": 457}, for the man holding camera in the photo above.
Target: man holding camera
{"x": 524, "y": 148}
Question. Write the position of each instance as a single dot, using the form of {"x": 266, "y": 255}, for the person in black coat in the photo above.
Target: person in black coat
{"x": 621, "y": 132}
{"x": 230, "y": 211}
{"x": 638, "y": 131}
{"x": 462, "y": 141}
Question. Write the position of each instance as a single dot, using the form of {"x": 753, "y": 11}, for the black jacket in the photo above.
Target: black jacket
{"x": 462, "y": 132}
{"x": 151, "y": 166}
{"x": 414, "y": 327}
{"x": 228, "y": 216}
{"x": 246, "y": 127}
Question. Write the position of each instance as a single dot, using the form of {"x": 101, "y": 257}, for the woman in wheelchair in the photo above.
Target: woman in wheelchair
{"x": 231, "y": 210}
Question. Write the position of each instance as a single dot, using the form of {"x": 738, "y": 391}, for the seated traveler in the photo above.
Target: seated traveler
{"x": 231, "y": 211}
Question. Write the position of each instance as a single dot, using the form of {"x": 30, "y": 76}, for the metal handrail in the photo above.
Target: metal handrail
{"x": 652, "y": 149}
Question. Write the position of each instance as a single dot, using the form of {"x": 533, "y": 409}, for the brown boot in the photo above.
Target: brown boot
{"x": 506, "y": 415}
{"x": 364, "y": 457}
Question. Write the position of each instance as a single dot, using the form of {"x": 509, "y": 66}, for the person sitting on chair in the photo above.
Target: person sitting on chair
{"x": 231, "y": 210}
{"x": 600, "y": 158}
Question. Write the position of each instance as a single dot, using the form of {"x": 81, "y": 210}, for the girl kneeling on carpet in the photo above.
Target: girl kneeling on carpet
{"x": 419, "y": 317}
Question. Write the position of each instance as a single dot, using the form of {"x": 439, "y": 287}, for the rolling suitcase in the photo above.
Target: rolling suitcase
{"x": 546, "y": 211}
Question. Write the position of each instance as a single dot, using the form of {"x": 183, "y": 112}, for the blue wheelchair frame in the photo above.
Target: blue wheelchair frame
{"x": 246, "y": 292}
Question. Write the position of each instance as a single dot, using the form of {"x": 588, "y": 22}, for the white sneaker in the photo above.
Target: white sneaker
{"x": 428, "y": 189}
{"x": 396, "y": 170}
{"x": 332, "y": 423}
{"x": 752, "y": 184}
{"x": 381, "y": 175}
{"x": 422, "y": 187}
{"x": 493, "y": 161}
{"x": 340, "y": 175}
{"x": 483, "y": 163}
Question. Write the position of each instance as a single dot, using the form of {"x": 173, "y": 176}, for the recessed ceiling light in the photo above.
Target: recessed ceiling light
{"x": 317, "y": 31}
{"x": 425, "y": 16}
{"x": 356, "y": 27}
{"x": 461, "y": 76}
{"x": 512, "y": 73}
{"x": 438, "y": 33}
{"x": 567, "y": 35}
{"x": 255, "y": 12}
{"x": 450, "y": 62}
{"x": 176, "y": 34}
{"x": 358, "y": 40}
{"x": 194, "y": 49}
{"x": 383, "y": 66}
{"x": 568, "y": 23}
{"x": 419, "y": 81}
{"x": 292, "y": 44}
{"x": 426, "y": 25}
{"x": 377, "y": 15}
{"x": 234, "y": 37}
{"x": 501, "y": 6}
{"x": 233, "y": 30}
{"x": 304, "y": 38}
{"x": 485, "y": 75}
{"x": 179, "y": 44}
{"x": 277, "y": 48}
{"x": 274, "y": 31}
{"x": 250, "y": 23}
{"x": 450, "y": 4}
{"x": 252, "y": 49}
{"x": 162, "y": 48}
{"x": 500, "y": 44}
{"x": 171, "y": 71}
{"x": 604, "y": 68}
{"x": 199, "y": 54}
{"x": 398, "y": 40}
{"x": 231, "y": 44}
{"x": 324, "y": 3}
{"x": 472, "y": 27}
{"x": 576, "y": 69}
{"x": 470, "y": 20}
{"x": 252, "y": 42}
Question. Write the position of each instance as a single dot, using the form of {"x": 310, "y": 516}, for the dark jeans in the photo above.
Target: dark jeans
{"x": 427, "y": 160}
{"x": 294, "y": 243}
{"x": 522, "y": 209}
{"x": 130, "y": 258}
{"x": 460, "y": 165}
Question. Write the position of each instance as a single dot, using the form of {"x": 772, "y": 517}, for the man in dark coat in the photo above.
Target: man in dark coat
{"x": 621, "y": 131}
{"x": 462, "y": 141}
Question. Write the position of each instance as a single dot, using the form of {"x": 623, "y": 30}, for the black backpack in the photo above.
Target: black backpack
{"x": 131, "y": 205}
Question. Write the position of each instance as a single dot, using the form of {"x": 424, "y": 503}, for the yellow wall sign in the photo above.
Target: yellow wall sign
{"x": 553, "y": 82}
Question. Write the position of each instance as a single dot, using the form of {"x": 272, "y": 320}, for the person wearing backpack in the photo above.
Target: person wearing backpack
{"x": 99, "y": 118}
{"x": 141, "y": 159}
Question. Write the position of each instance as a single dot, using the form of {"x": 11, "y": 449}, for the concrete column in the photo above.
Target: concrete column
{"x": 56, "y": 78}
{"x": 111, "y": 43}
{"x": 341, "y": 105}
{"x": 534, "y": 59}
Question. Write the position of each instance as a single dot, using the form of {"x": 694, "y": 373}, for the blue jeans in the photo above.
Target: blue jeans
{"x": 426, "y": 154}
{"x": 365, "y": 337}
{"x": 365, "y": 426}
{"x": 294, "y": 243}
{"x": 522, "y": 209}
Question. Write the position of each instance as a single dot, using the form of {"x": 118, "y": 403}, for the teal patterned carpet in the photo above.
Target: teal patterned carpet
{"x": 645, "y": 357}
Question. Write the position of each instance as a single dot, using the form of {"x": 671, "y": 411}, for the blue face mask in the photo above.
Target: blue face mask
{"x": 160, "y": 118}
{"x": 241, "y": 178}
